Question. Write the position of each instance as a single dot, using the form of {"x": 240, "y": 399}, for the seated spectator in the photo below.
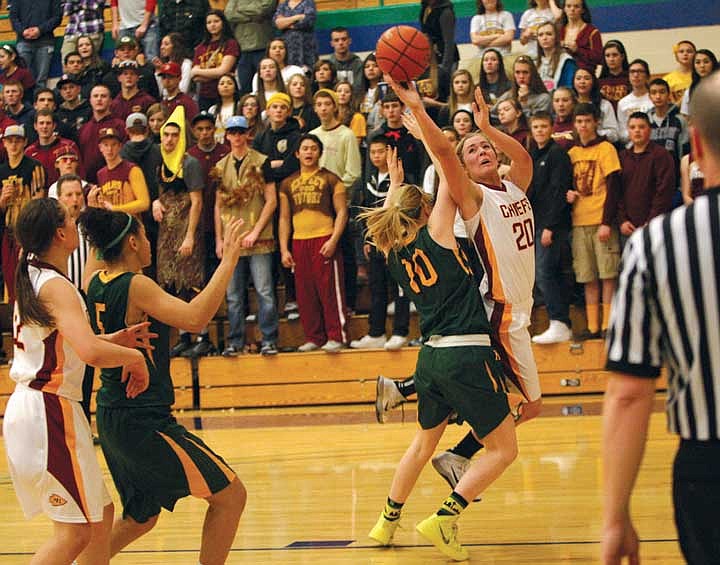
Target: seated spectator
{"x": 14, "y": 69}
{"x": 67, "y": 162}
{"x": 302, "y": 106}
{"x": 296, "y": 21}
{"x": 492, "y": 27}
{"x": 170, "y": 75}
{"x": 680, "y": 79}
{"x": 215, "y": 56}
{"x": 494, "y": 81}
{"x": 73, "y": 111}
{"x": 47, "y": 143}
{"x": 156, "y": 118}
{"x": 348, "y": 65}
{"x": 226, "y": 108}
{"x": 130, "y": 99}
{"x": 513, "y": 122}
{"x": 136, "y": 20}
{"x": 462, "y": 91}
{"x": 324, "y": 75}
{"x": 250, "y": 110}
{"x": 587, "y": 90}
{"x": 348, "y": 113}
{"x": 614, "y": 77}
{"x": 704, "y": 64}
{"x": 578, "y": 36}
{"x": 314, "y": 209}
{"x": 536, "y": 15}
{"x": 126, "y": 53}
{"x": 564, "y": 101}
{"x": 638, "y": 100}
{"x": 173, "y": 50}
{"x": 247, "y": 190}
{"x": 95, "y": 67}
{"x": 528, "y": 88}
{"x": 14, "y": 105}
{"x": 555, "y": 67}
{"x": 647, "y": 179}
{"x": 270, "y": 81}
{"x": 277, "y": 51}
{"x": 462, "y": 122}
{"x": 121, "y": 183}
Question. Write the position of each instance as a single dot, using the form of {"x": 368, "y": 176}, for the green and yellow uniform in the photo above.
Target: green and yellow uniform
{"x": 153, "y": 460}
{"x": 457, "y": 368}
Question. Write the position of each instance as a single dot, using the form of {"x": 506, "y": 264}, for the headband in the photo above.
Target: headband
{"x": 99, "y": 254}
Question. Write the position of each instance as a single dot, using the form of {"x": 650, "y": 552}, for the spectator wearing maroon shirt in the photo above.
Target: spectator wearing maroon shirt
{"x": 614, "y": 77}
{"x": 170, "y": 75}
{"x": 131, "y": 99}
{"x": 648, "y": 178}
{"x": 127, "y": 50}
{"x": 43, "y": 149}
{"x": 578, "y": 36}
{"x": 88, "y": 137}
{"x": 13, "y": 69}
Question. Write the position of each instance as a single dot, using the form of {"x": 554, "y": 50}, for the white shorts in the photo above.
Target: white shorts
{"x": 510, "y": 323}
{"x": 51, "y": 458}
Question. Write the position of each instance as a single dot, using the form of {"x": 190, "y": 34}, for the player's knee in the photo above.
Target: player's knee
{"x": 508, "y": 453}
{"x": 75, "y": 538}
{"x": 144, "y": 527}
{"x": 231, "y": 499}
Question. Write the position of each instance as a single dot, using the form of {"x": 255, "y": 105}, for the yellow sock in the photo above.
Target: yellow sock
{"x": 606, "y": 316}
{"x": 592, "y": 311}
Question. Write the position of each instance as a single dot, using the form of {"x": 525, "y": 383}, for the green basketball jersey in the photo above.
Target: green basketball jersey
{"x": 107, "y": 299}
{"x": 441, "y": 284}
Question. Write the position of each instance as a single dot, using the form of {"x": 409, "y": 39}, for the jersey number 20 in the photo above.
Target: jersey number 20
{"x": 524, "y": 233}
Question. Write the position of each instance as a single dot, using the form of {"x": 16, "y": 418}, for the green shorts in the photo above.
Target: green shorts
{"x": 466, "y": 379}
{"x": 154, "y": 461}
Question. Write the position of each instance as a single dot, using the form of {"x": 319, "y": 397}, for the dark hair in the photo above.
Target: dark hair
{"x": 45, "y": 112}
{"x": 585, "y": 16}
{"x": 34, "y": 230}
{"x": 339, "y": 29}
{"x": 696, "y": 78}
{"x": 378, "y": 138}
{"x": 522, "y": 121}
{"x": 481, "y": 6}
{"x": 586, "y": 109}
{"x": 365, "y": 81}
{"x": 312, "y": 137}
{"x": 236, "y": 94}
{"x": 660, "y": 82}
{"x": 541, "y": 115}
{"x": 103, "y": 85}
{"x": 66, "y": 178}
{"x": 281, "y": 40}
{"x": 333, "y": 74}
{"x": 642, "y": 62}
{"x": 605, "y": 71}
{"x": 40, "y": 91}
{"x": 71, "y": 54}
{"x": 639, "y": 116}
{"x": 595, "y": 94}
{"x": 179, "y": 51}
{"x": 102, "y": 227}
{"x": 226, "y": 32}
{"x": 12, "y": 50}
{"x": 391, "y": 96}
{"x": 279, "y": 82}
{"x": 505, "y": 83}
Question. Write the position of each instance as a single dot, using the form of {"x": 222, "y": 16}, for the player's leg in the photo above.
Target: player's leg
{"x": 391, "y": 394}
{"x": 221, "y": 523}
{"x": 66, "y": 543}
{"x": 97, "y": 552}
{"x": 126, "y": 530}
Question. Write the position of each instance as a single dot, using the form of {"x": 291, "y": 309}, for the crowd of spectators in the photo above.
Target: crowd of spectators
{"x": 210, "y": 112}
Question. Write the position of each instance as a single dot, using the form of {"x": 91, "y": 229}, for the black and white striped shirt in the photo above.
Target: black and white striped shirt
{"x": 667, "y": 310}
{"x": 77, "y": 260}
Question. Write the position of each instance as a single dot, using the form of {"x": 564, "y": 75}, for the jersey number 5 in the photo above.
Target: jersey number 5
{"x": 524, "y": 233}
{"x": 420, "y": 271}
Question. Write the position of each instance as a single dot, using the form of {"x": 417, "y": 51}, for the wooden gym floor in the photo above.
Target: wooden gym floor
{"x": 317, "y": 479}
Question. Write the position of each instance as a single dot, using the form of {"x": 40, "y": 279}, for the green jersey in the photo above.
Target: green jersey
{"x": 441, "y": 284}
{"x": 107, "y": 300}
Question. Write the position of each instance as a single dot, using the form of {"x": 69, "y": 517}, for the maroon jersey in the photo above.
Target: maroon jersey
{"x": 92, "y": 159}
{"x": 207, "y": 160}
{"x": 182, "y": 99}
{"x": 121, "y": 107}
{"x": 209, "y": 56}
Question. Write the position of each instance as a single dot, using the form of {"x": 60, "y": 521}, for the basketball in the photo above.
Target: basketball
{"x": 403, "y": 52}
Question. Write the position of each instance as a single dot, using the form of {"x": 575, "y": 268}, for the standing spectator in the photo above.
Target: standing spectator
{"x": 278, "y": 52}
{"x": 513, "y": 122}
{"x": 22, "y": 179}
{"x": 172, "y": 50}
{"x": 185, "y": 17}
{"x": 302, "y": 106}
{"x": 47, "y": 143}
{"x": 122, "y": 183}
{"x": 669, "y": 128}
{"x": 14, "y": 106}
{"x": 34, "y": 23}
{"x": 492, "y": 27}
{"x": 578, "y": 36}
{"x": 247, "y": 191}
{"x": 252, "y": 22}
{"x": 136, "y": 19}
{"x": 67, "y": 162}
{"x": 88, "y": 136}
{"x": 95, "y": 67}
{"x": 14, "y": 70}
{"x": 692, "y": 179}
{"x": 250, "y": 109}
{"x": 563, "y": 127}
{"x": 73, "y": 111}
{"x": 555, "y": 67}
{"x": 370, "y": 94}
{"x": 45, "y": 100}
{"x": 279, "y": 142}
{"x": 215, "y": 56}
{"x": 648, "y": 179}
{"x": 704, "y": 63}
{"x": 552, "y": 178}
{"x": 587, "y": 90}
{"x": 84, "y": 18}
{"x": 130, "y": 99}
{"x": 638, "y": 100}
{"x": 296, "y": 21}
{"x": 226, "y": 107}
{"x": 324, "y": 75}
{"x": 126, "y": 52}
{"x": 156, "y": 118}
{"x": 680, "y": 79}
{"x": 462, "y": 89}
{"x": 538, "y": 13}
{"x": 665, "y": 314}
{"x": 314, "y": 209}
{"x": 348, "y": 65}
{"x": 348, "y": 113}
{"x": 171, "y": 76}
{"x": 614, "y": 77}
{"x": 437, "y": 21}
{"x": 528, "y": 88}
{"x": 270, "y": 80}
{"x": 595, "y": 239}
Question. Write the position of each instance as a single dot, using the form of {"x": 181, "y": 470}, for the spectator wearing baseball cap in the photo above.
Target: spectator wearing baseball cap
{"x": 173, "y": 50}
{"x": 170, "y": 75}
{"x": 67, "y": 162}
{"x": 43, "y": 149}
{"x": 126, "y": 49}
{"x": 74, "y": 111}
{"x": 22, "y": 179}
{"x": 131, "y": 99}
{"x": 136, "y": 19}
{"x": 122, "y": 183}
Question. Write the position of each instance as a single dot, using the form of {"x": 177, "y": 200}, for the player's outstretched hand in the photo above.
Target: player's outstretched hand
{"x": 481, "y": 112}
{"x": 408, "y": 94}
{"x": 412, "y": 126}
{"x": 136, "y": 377}
{"x": 395, "y": 167}
{"x": 233, "y": 239}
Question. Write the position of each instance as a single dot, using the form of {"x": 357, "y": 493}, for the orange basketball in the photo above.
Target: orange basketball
{"x": 403, "y": 52}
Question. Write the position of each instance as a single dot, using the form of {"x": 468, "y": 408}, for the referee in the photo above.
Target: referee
{"x": 667, "y": 310}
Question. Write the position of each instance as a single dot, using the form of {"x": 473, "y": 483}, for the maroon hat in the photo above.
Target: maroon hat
{"x": 170, "y": 69}
{"x": 66, "y": 151}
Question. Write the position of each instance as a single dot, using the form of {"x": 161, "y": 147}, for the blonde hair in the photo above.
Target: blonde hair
{"x": 393, "y": 227}
{"x": 461, "y": 145}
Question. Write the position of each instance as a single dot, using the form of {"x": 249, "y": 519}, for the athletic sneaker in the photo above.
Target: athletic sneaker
{"x": 369, "y": 342}
{"x": 441, "y": 531}
{"x": 387, "y": 397}
{"x": 557, "y": 332}
{"x": 384, "y": 530}
{"x": 332, "y": 346}
{"x": 268, "y": 348}
{"x": 450, "y": 466}
{"x": 396, "y": 342}
{"x": 308, "y": 346}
